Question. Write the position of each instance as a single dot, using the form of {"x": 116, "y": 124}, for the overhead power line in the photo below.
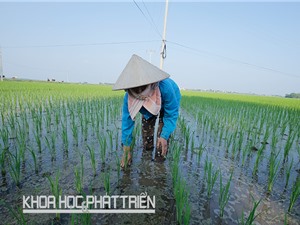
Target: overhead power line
{"x": 234, "y": 60}
{"x": 79, "y": 45}
{"x": 149, "y": 21}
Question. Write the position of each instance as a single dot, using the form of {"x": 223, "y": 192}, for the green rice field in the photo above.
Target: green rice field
{"x": 233, "y": 159}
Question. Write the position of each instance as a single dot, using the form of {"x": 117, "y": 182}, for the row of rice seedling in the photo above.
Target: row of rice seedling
{"x": 56, "y": 190}
{"x": 261, "y": 138}
{"x": 295, "y": 194}
{"x": 50, "y": 121}
{"x": 53, "y": 123}
{"x": 211, "y": 174}
{"x": 257, "y": 133}
{"x": 180, "y": 191}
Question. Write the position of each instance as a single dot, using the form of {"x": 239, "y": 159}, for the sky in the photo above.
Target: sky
{"x": 245, "y": 47}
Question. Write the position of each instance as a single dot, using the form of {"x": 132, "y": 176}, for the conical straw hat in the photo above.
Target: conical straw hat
{"x": 139, "y": 72}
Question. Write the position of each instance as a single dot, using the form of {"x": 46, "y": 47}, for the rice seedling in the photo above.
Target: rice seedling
{"x": 273, "y": 170}
{"x": 12, "y": 123}
{"x": 93, "y": 121}
{"x": 85, "y": 131}
{"x": 254, "y": 139}
{"x": 102, "y": 116}
{"x": 175, "y": 164}
{"x": 267, "y": 134}
{"x": 78, "y": 172}
{"x": 274, "y": 140}
{"x": 228, "y": 142}
{"x": 224, "y": 194}
{"x": 85, "y": 219}
{"x": 4, "y": 149}
{"x": 38, "y": 123}
{"x": 74, "y": 129}
{"x": 16, "y": 213}
{"x": 47, "y": 120}
{"x": 187, "y": 213}
{"x": 193, "y": 143}
{"x": 51, "y": 146}
{"x": 2, "y": 117}
{"x": 221, "y": 135}
{"x": 106, "y": 181}
{"x": 74, "y": 219}
{"x": 251, "y": 217}
{"x": 283, "y": 127}
{"x": 134, "y": 136}
{"x": 285, "y": 219}
{"x": 118, "y": 165}
{"x": 116, "y": 137}
{"x": 288, "y": 173}
{"x": 38, "y": 141}
{"x": 25, "y": 124}
{"x": 65, "y": 136}
{"x": 57, "y": 117}
{"x": 5, "y": 138}
{"x": 234, "y": 143}
{"x": 261, "y": 123}
{"x": 186, "y": 131}
{"x": 78, "y": 180}
{"x": 34, "y": 160}
{"x": 295, "y": 194}
{"x": 21, "y": 140}
{"x": 15, "y": 167}
{"x": 107, "y": 113}
{"x": 200, "y": 152}
{"x": 187, "y": 137}
{"x": 258, "y": 157}
{"x": 180, "y": 197}
{"x": 102, "y": 149}
{"x": 55, "y": 189}
{"x": 93, "y": 160}
{"x": 240, "y": 141}
{"x": 289, "y": 144}
{"x": 64, "y": 112}
{"x": 110, "y": 137}
{"x": 3, "y": 158}
{"x": 210, "y": 177}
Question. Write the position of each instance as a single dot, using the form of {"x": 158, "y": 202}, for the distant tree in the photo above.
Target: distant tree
{"x": 293, "y": 95}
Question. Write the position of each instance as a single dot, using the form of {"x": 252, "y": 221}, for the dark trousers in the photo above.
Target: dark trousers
{"x": 148, "y": 128}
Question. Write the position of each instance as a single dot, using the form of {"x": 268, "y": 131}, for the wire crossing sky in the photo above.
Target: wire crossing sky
{"x": 228, "y": 46}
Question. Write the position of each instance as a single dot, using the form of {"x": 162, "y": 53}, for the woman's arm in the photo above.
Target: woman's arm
{"x": 127, "y": 123}
{"x": 171, "y": 100}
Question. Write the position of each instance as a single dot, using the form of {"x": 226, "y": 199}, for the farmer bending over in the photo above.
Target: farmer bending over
{"x": 150, "y": 92}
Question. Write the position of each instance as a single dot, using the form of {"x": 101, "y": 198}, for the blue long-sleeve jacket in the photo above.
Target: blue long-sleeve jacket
{"x": 170, "y": 99}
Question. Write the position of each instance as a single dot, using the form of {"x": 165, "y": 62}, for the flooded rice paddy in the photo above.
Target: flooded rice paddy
{"x": 214, "y": 139}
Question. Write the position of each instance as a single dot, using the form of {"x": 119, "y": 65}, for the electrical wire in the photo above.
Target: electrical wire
{"x": 79, "y": 45}
{"x": 234, "y": 60}
{"x": 155, "y": 28}
{"x": 151, "y": 19}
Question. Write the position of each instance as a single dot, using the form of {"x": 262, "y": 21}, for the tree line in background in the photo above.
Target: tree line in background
{"x": 293, "y": 95}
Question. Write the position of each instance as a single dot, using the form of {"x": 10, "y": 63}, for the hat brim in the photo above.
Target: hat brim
{"x": 139, "y": 72}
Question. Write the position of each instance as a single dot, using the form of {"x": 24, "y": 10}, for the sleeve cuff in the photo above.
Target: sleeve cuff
{"x": 164, "y": 135}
